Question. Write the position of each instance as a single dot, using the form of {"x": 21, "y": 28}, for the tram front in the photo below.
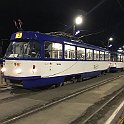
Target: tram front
{"x": 22, "y": 58}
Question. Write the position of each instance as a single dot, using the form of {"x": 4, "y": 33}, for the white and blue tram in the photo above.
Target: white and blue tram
{"x": 35, "y": 59}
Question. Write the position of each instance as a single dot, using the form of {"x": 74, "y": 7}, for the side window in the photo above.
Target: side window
{"x": 80, "y": 53}
{"x": 96, "y": 55}
{"x": 107, "y": 56}
{"x": 36, "y": 50}
{"x": 69, "y": 52}
{"x": 114, "y": 57}
{"x": 101, "y": 55}
{"x": 53, "y": 50}
{"x": 89, "y": 54}
{"x": 119, "y": 58}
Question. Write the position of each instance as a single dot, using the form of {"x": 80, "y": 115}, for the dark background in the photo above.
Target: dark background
{"x": 102, "y": 18}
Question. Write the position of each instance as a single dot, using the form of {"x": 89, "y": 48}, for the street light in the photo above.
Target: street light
{"x": 78, "y": 20}
{"x": 109, "y": 40}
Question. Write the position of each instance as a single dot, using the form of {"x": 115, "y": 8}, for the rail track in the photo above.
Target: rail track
{"x": 90, "y": 118}
{"x": 10, "y": 93}
{"x": 52, "y": 102}
{"x": 5, "y": 89}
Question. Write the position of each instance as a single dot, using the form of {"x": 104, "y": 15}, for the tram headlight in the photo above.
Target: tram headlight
{"x": 3, "y": 69}
{"x": 18, "y": 70}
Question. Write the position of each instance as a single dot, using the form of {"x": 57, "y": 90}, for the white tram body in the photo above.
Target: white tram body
{"x": 117, "y": 61}
{"x": 34, "y": 59}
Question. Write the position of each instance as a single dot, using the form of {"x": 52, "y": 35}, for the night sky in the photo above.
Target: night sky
{"x": 102, "y": 18}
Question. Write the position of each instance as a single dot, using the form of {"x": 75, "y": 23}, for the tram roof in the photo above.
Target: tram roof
{"x": 49, "y": 37}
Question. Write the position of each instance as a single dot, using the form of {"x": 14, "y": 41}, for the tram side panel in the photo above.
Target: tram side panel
{"x": 41, "y": 73}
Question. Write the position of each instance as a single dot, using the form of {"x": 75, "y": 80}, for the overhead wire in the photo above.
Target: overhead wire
{"x": 99, "y": 4}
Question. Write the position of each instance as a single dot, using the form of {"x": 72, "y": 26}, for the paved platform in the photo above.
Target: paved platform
{"x": 121, "y": 118}
{"x": 67, "y": 111}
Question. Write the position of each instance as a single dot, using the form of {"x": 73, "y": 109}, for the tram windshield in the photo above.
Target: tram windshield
{"x": 24, "y": 49}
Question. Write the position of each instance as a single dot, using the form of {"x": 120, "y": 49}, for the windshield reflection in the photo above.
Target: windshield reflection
{"x": 24, "y": 49}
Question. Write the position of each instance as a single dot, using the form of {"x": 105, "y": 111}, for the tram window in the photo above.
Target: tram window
{"x": 89, "y": 54}
{"x": 122, "y": 59}
{"x": 114, "y": 57}
{"x": 107, "y": 56}
{"x": 101, "y": 55}
{"x": 24, "y": 49}
{"x": 53, "y": 50}
{"x": 69, "y": 52}
{"x": 35, "y": 50}
{"x": 80, "y": 53}
{"x": 96, "y": 55}
{"x": 119, "y": 58}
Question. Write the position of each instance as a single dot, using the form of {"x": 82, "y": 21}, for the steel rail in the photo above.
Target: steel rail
{"x": 105, "y": 104}
{"x": 5, "y": 89}
{"x": 49, "y": 104}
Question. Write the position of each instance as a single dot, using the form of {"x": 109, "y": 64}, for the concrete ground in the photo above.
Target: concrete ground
{"x": 64, "y": 112}
{"x": 69, "y": 110}
{"x": 121, "y": 118}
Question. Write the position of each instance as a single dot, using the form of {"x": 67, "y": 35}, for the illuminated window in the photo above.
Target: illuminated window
{"x": 89, "y": 54}
{"x": 80, "y": 53}
{"x": 53, "y": 50}
{"x": 69, "y": 52}
{"x": 107, "y": 56}
{"x": 101, "y": 55}
{"x": 119, "y": 58}
{"x": 96, "y": 55}
{"x": 24, "y": 49}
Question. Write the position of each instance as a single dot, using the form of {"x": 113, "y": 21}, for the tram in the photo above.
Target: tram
{"x": 35, "y": 59}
